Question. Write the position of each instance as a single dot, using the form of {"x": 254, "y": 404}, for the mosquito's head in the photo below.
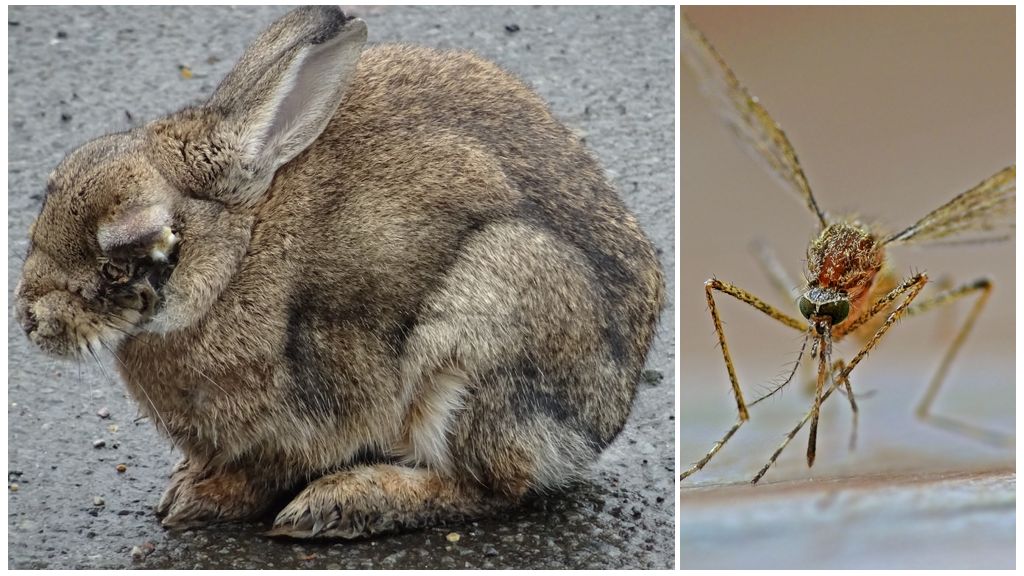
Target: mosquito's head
{"x": 844, "y": 259}
{"x": 824, "y": 303}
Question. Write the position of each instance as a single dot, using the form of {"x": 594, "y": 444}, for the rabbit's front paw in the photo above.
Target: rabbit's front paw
{"x": 375, "y": 499}
{"x": 196, "y": 497}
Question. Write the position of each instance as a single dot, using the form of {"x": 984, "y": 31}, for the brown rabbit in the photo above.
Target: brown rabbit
{"x": 388, "y": 278}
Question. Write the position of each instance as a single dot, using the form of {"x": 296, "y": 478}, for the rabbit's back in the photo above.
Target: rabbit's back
{"x": 429, "y": 147}
{"x": 475, "y": 230}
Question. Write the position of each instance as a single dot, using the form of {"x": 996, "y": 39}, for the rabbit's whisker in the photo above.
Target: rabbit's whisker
{"x": 143, "y": 388}
{"x": 201, "y": 373}
{"x": 129, "y": 335}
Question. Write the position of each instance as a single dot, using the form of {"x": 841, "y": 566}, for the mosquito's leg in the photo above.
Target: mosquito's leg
{"x": 711, "y": 453}
{"x": 710, "y": 287}
{"x": 788, "y": 291}
{"x": 912, "y": 287}
{"x": 823, "y": 367}
{"x": 983, "y": 287}
{"x": 792, "y": 433}
{"x": 839, "y": 366}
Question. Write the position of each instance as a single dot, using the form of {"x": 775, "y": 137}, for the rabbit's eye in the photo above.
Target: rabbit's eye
{"x": 117, "y": 270}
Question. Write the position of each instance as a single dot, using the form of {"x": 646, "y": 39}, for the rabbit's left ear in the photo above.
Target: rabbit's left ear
{"x": 283, "y": 92}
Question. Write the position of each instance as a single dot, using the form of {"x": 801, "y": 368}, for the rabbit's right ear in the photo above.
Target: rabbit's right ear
{"x": 281, "y": 95}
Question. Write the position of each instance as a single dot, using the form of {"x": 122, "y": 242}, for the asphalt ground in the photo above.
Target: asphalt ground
{"x": 76, "y": 73}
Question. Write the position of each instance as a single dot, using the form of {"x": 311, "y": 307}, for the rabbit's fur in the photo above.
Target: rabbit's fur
{"x": 387, "y": 277}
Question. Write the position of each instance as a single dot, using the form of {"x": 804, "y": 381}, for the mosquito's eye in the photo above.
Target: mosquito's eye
{"x": 806, "y": 307}
{"x": 837, "y": 310}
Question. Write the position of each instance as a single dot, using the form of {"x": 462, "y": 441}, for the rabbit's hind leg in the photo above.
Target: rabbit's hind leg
{"x": 378, "y": 499}
{"x": 199, "y": 495}
{"x": 545, "y": 367}
{"x": 539, "y": 443}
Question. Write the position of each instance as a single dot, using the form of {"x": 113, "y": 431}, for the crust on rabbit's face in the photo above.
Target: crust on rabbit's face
{"x": 99, "y": 253}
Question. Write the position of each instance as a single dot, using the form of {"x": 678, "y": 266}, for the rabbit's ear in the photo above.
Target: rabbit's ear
{"x": 137, "y": 233}
{"x": 284, "y": 90}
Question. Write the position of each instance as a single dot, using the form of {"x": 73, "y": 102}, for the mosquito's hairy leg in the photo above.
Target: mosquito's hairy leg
{"x": 911, "y": 287}
{"x": 803, "y": 421}
{"x": 715, "y": 285}
{"x": 839, "y": 366}
{"x": 819, "y": 389}
{"x": 710, "y": 287}
{"x": 983, "y": 288}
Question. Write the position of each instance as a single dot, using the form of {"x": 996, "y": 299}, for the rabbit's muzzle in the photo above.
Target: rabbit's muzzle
{"x": 65, "y": 324}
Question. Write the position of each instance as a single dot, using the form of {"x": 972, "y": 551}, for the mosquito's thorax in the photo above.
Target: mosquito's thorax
{"x": 842, "y": 263}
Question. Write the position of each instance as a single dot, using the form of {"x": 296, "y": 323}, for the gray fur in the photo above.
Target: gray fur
{"x": 432, "y": 307}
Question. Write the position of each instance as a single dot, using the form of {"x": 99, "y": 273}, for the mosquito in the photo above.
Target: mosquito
{"x": 850, "y": 288}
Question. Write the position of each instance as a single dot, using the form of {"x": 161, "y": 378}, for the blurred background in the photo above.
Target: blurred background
{"x": 892, "y": 111}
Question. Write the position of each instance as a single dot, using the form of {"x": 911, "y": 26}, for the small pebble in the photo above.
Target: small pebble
{"x": 653, "y": 377}
{"x": 99, "y": 443}
{"x": 112, "y": 428}
{"x": 97, "y": 501}
{"x": 453, "y": 537}
{"x": 13, "y": 487}
{"x": 137, "y": 554}
{"x": 121, "y": 468}
{"x": 512, "y": 28}
{"x": 103, "y": 412}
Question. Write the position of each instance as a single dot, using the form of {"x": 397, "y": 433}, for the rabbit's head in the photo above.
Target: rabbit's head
{"x": 142, "y": 230}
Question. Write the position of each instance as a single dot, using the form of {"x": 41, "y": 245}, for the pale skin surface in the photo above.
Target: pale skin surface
{"x": 845, "y": 271}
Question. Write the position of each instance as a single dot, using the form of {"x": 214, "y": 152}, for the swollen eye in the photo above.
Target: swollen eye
{"x": 114, "y": 270}
{"x": 837, "y": 310}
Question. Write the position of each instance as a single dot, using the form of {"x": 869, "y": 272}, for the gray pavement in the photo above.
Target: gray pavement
{"x": 76, "y": 73}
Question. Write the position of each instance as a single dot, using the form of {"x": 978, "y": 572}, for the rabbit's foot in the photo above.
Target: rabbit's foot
{"x": 376, "y": 499}
{"x": 178, "y": 476}
{"x": 197, "y": 496}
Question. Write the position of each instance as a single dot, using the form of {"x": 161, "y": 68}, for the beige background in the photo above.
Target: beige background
{"x": 892, "y": 111}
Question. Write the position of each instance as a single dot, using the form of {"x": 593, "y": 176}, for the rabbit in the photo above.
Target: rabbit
{"x": 383, "y": 281}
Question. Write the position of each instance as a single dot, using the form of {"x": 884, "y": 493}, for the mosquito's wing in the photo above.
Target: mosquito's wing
{"x": 761, "y": 136}
{"x": 987, "y": 211}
